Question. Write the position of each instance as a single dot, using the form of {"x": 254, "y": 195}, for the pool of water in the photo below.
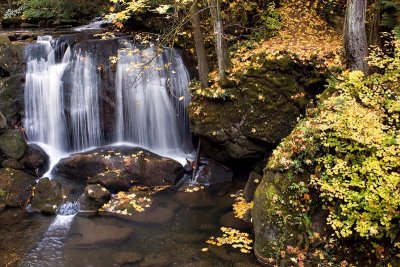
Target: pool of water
{"x": 172, "y": 233}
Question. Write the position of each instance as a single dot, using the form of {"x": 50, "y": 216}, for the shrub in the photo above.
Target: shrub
{"x": 350, "y": 144}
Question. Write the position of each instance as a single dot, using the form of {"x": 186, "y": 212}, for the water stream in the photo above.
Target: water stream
{"x": 75, "y": 99}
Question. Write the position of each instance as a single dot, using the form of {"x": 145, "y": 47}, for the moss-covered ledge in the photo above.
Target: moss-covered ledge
{"x": 252, "y": 116}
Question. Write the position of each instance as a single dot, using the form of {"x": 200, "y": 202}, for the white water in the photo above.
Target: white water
{"x": 148, "y": 105}
{"x": 48, "y": 252}
{"x": 63, "y": 106}
{"x": 44, "y": 102}
{"x": 85, "y": 109}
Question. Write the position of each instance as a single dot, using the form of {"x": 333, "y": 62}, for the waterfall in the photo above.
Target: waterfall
{"x": 151, "y": 99}
{"x": 76, "y": 99}
{"x": 44, "y": 102}
{"x": 85, "y": 109}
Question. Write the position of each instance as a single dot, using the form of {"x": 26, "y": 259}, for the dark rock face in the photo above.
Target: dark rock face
{"x": 15, "y": 188}
{"x": 119, "y": 168}
{"x": 265, "y": 109}
{"x": 214, "y": 173}
{"x": 12, "y": 76}
{"x": 35, "y": 160}
{"x": 47, "y": 196}
{"x": 13, "y": 144}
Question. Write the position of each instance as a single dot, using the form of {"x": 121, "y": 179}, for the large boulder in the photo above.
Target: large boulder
{"x": 15, "y": 188}
{"x": 282, "y": 216}
{"x": 13, "y": 144}
{"x": 119, "y": 168}
{"x": 35, "y": 160}
{"x": 47, "y": 196}
{"x": 264, "y": 109}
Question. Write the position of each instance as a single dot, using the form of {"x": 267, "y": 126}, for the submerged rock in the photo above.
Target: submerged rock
{"x": 127, "y": 257}
{"x": 13, "y": 144}
{"x": 119, "y": 168}
{"x": 92, "y": 232}
{"x": 15, "y": 188}
{"x": 47, "y": 196}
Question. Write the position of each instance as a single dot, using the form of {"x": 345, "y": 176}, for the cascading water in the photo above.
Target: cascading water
{"x": 64, "y": 97}
{"x": 152, "y": 99}
{"x": 85, "y": 109}
{"x": 45, "y": 119}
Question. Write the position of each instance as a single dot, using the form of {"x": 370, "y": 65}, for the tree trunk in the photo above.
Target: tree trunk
{"x": 374, "y": 38}
{"x": 202, "y": 63}
{"x": 355, "y": 36}
{"x": 220, "y": 45}
{"x": 9, "y": 4}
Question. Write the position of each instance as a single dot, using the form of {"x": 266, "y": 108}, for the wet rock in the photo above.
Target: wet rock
{"x": 127, "y": 257}
{"x": 13, "y": 144}
{"x": 118, "y": 167}
{"x": 251, "y": 186}
{"x": 229, "y": 220}
{"x": 47, "y": 196}
{"x": 214, "y": 173}
{"x": 113, "y": 180}
{"x": 35, "y": 160}
{"x": 97, "y": 193}
{"x": 15, "y": 187}
{"x": 12, "y": 164}
{"x": 92, "y": 232}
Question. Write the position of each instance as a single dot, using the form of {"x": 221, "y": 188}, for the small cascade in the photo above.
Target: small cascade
{"x": 84, "y": 107}
{"x": 48, "y": 252}
{"x": 152, "y": 99}
{"x": 44, "y": 102}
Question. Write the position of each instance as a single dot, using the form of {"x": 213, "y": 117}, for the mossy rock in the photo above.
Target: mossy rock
{"x": 265, "y": 108}
{"x": 47, "y": 196}
{"x": 13, "y": 144}
{"x": 278, "y": 218}
{"x": 15, "y": 187}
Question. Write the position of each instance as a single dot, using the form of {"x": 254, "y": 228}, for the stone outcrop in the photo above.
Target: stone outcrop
{"x": 119, "y": 168}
